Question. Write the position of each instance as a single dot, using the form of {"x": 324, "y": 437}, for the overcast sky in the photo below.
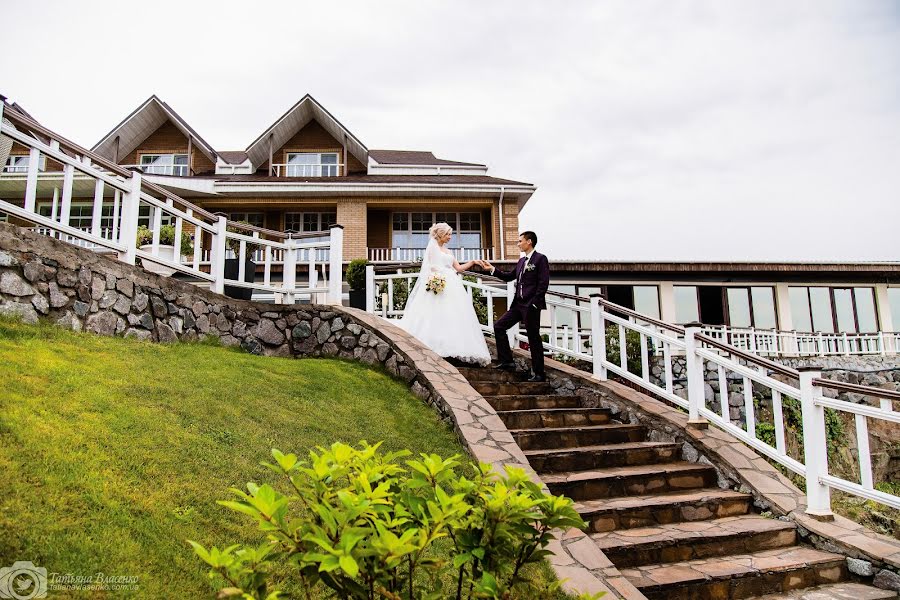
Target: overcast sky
{"x": 704, "y": 130}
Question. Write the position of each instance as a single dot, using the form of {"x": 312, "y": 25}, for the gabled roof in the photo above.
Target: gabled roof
{"x": 233, "y": 157}
{"x": 413, "y": 157}
{"x": 137, "y": 126}
{"x": 297, "y": 117}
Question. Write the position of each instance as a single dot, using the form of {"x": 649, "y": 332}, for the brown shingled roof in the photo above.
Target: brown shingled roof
{"x": 233, "y": 157}
{"x": 413, "y": 157}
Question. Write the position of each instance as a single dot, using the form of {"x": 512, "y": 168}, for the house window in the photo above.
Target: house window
{"x": 145, "y": 217}
{"x": 312, "y": 164}
{"x": 831, "y": 310}
{"x": 19, "y": 164}
{"x": 310, "y": 222}
{"x": 81, "y": 215}
{"x": 687, "y": 308}
{"x": 254, "y": 218}
{"x": 410, "y": 229}
{"x": 165, "y": 164}
{"x": 893, "y": 295}
{"x": 751, "y": 307}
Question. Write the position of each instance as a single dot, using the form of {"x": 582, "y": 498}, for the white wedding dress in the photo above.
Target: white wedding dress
{"x": 445, "y": 322}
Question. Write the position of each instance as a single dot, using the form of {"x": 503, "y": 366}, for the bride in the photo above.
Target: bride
{"x": 444, "y": 321}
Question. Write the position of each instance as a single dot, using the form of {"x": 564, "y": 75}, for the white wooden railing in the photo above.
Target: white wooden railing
{"x": 598, "y": 332}
{"x": 126, "y": 192}
{"x": 307, "y": 170}
{"x": 413, "y": 254}
{"x": 772, "y": 342}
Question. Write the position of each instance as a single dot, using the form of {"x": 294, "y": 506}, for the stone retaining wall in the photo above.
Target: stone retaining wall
{"x": 42, "y": 278}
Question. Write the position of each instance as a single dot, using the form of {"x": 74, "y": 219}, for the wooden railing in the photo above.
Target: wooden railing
{"x": 621, "y": 342}
{"x": 125, "y": 192}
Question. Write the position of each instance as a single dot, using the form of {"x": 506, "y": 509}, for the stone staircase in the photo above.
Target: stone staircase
{"x": 662, "y": 521}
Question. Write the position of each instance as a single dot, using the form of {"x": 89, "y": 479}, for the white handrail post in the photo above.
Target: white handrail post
{"x": 695, "y": 383}
{"x": 598, "y": 337}
{"x": 818, "y": 495}
{"x": 289, "y": 274}
{"x": 131, "y": 202}
{"x": 370, "y": 288}
{"x": 217, "y": 256}
{"x": 336, "y": 265}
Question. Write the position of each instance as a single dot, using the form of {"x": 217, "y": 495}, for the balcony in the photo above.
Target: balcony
{"x": 307, "y": 169}
{"x": 170, "y": 170}
{"x": 415, "y": 254}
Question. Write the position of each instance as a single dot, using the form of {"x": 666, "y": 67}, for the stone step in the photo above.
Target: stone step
{"x": 836, "y": 591}
{"x": 573, "y": 437}
{"x": 554, "y": 417}
{"x": 488, "y": 374}
{"x": 602, "y": 456}
{"x": 674, "y": 542}
{"x": 494, "y": 388}
{"x": 532, "y": 402}
{"x": 631, "y": 480}
{"x": 632, "y": 512}
{"x": 739, "y": 575}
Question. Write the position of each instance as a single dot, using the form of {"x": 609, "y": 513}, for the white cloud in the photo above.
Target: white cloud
{"x": 675, "y": 130}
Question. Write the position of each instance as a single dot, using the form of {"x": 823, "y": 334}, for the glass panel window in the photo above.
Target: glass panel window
{"x": 820, "y": 304}
{"x": 738, "y": 307}
{"x": 410, "y": 230}
{"x": 254, "y": 218}
{"x": 81, "y": 215}
{"x": 165, "y": 164}
{"x": 799, "y": 297}
{"x": 893, "y": 295}
{"x": 312, "y": 164}
{"x": 686, "y": 308}
{"x": 865, "y": 309}
{"x": 646, "y": 300}
{"x": 763, "y": 299}
{"x": 843, "y": 306}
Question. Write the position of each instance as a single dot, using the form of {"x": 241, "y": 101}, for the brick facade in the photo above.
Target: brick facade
{"x": 168, "y": 139}
{"x": 352, "y": 215}
{"x": 314, "y": 138}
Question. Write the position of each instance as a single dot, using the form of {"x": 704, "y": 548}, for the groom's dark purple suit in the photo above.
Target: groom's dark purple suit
{"x": 531, "y": 286}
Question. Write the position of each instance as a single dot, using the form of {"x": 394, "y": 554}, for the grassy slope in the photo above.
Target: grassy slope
{"x": 113, "y": 452}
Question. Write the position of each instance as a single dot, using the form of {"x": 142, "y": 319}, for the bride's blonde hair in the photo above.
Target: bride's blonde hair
{"x": 439, "y": 229}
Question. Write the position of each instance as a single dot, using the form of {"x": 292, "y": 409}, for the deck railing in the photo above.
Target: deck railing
{"x": 413, "y": 254}
{"x": 615, "y": 340}
{"x": 126, "y": 193}
{"x": 773, "y": 342}
{"x": 307, "y": 170}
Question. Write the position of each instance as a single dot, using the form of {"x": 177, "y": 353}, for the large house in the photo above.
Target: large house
{"x": 307, "y": 171}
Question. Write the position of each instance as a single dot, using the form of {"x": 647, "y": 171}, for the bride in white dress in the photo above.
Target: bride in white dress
{"x": 446, "y": 322}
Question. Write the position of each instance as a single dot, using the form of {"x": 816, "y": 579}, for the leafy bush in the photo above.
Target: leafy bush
{"x": 359, "y": 523}
{"x": 356, "y": 274}
{"x": 235, "y": 245}
{"x": 632, "y": 348}
{"x": 166, "y": 238}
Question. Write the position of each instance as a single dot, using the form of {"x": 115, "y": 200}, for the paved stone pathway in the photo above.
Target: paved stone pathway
{"x": 662, "y": 521}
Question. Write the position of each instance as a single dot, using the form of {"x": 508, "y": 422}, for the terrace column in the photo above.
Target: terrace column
{"x": 352, "y": 215}
{"x": 667, "y": 301}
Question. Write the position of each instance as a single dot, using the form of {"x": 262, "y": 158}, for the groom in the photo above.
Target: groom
{"x": 532, "y": 277}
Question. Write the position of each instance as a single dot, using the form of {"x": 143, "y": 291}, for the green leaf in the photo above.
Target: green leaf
{"x": 349, "y": 566}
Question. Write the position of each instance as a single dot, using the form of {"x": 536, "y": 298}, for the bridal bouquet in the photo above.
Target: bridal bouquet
{"x": 436, "y": 284}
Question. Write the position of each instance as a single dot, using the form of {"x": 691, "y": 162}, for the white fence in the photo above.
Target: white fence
{"x": 772, "y": 342}
{"x": 616, "y": 340}
{"x": 124, "y": 194}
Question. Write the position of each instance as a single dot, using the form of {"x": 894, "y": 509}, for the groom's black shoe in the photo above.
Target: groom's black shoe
{"x": 537, "y": 378}
{"x": 505, "y": 367}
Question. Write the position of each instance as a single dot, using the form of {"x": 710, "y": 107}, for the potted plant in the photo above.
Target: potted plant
{"x": 165, "y": 249}
{"x": 232, "y": 265}
{"x": 356, "y": 278}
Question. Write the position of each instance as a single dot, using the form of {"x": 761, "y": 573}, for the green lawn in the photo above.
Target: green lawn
{"x": 113, "y": 452}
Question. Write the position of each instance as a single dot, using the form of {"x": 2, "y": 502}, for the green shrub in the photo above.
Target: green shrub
{"x": 363, "y": 525}
{"x": 235, "y": 244}
{"x": 356, "y": 274}
{"x": 166, "y": 238}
